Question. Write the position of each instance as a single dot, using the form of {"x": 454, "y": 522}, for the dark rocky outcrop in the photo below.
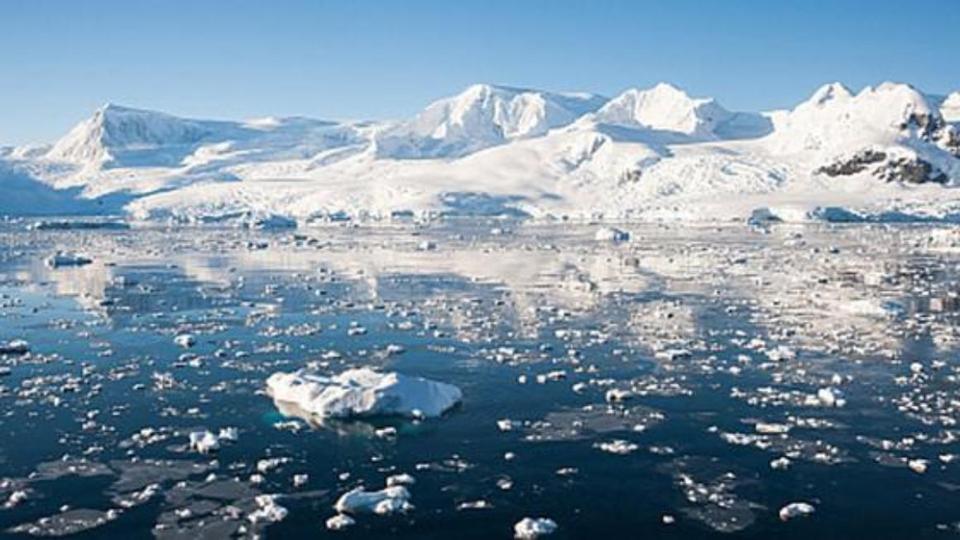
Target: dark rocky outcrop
{"x": 910, "y": 170}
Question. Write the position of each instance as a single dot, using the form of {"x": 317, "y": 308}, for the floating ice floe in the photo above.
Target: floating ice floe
{"x": 363, "y": 392}
{"x": 185, "y": 340}
{"x": 831, "y": 397}
{"x": 533, "y": 528}
{"x": 618, "y": 446}
{"x": 389, "y": 500}
{"x": 797, "y": 509}
{"x": 15, "y": 346}
{"x": 66, "y": 258}
{"x": 205, "y": 441}
{"x": 268, "y": 511}
{"x": 339, "y": 522}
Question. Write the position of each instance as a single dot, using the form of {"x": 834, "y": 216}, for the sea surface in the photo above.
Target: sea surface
{"x": 689, "y": 382}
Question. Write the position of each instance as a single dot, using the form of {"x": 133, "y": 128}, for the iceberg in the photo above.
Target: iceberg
{"x": 363, "y": 392}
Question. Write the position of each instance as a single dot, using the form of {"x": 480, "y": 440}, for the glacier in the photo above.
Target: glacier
{"x": 887, "y": 152}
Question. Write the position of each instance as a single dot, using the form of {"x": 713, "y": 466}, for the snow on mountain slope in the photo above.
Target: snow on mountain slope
{"x": 950, "y": 107}
{"x": 886, "y": 152}
{"x": 481, "y": 116}
{"x": 833, "y": 118}
{"x": 891, "y": 130}
{"x": 118, "y": 136}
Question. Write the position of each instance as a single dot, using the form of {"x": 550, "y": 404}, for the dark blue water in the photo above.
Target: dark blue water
{"x": 853, "y": 306}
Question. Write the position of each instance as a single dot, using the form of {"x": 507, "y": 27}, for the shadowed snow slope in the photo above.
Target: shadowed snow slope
{"x": 887, "y": 152}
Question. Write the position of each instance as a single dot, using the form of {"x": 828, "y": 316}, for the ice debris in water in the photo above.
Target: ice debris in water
{"x": 532, "y": 528}
{"x": 363, "y": 392}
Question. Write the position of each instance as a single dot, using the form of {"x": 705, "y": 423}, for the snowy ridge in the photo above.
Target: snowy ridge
{"x": 481, "y": 116}
{"x": 664, "y": 108}
{"x": 114, "y": 131}
{"x": 654, "y": 154}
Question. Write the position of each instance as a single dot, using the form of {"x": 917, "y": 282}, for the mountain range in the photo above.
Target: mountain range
{"x": 889, "y": 152}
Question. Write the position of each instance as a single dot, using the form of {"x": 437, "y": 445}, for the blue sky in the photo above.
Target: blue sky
{"x": 386, "y": 59}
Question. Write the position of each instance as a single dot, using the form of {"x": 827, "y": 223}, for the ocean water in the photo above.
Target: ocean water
{"x": 704, "y": 353}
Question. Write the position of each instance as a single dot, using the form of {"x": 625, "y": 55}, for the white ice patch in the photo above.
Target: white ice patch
{"x": 363, "y": 392}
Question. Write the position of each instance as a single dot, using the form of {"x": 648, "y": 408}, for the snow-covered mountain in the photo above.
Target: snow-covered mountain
{"x": 886, "y": 152}
{"x": 481, "y": 116}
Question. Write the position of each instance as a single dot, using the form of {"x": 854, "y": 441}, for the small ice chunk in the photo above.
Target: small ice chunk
{"x": 300, "y": 480}
{"x": 204, "y": 441}
{"x": 185, "y": 340}
{"x": 340, "y": 522}
{"x": 781, "y": 463}
{"x": 771, "y": 428}
{"x": 268, "y": 511}
{"x": 797, "y": 509}
{"x": 617, "y": 446}
{"x": 66, "y": 258}
{"x": 617, "y": 395}
{"x": 611, "y": 234}
{"x": 363, "y": 392}
{"x": 402, "y": 479}
{"x": 918, "y": 466}
{"x": 830, "y": 397}
{"x": 533, "y": 528}
{"x": 15, "y": 498}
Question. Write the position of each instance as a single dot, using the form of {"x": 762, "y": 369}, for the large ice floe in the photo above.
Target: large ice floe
{"x": 363, "y": 392}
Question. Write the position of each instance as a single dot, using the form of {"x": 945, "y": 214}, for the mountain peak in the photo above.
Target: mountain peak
{"x": 664, "y": 107}
{"x": 829, "y": 92}
{"x": 481, "y": 116}
{"x": 113, "y": 129}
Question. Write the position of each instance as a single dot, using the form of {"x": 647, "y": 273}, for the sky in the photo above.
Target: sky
{"x": 385, "y": 59}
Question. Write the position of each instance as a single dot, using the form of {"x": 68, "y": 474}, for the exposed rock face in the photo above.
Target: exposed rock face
{"x": 856, "y": 163}
{"x": 907, "y": 169}
{"x": 910, "y": 170}
{"x": 948, "y": 138}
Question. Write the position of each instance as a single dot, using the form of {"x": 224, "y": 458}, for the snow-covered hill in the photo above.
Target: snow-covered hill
{"x": 886, "y": 152}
